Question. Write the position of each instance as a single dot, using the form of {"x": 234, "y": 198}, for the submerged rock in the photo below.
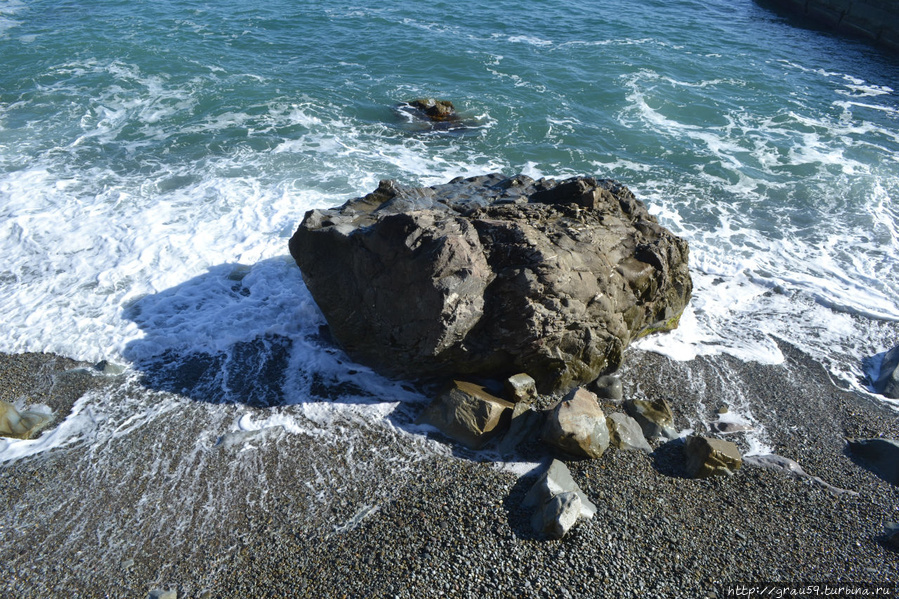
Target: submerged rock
{"x": 435, "y": 110}
{"x": 577, "y": 425}
{"x": 891, "y": 534}
{"x": 881, "y": 455}
{"x": 492, "y": 276}
{"x": 21, "y": 425}
{"x": 468, "y": 413}
{"x": 711, "y": 457}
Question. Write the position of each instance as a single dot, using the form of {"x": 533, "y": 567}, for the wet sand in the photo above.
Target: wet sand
{"x": 360, "y": 508}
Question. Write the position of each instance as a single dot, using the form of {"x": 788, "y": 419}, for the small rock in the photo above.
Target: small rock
{"x": 160, "y": 594}
{"x": 882, "y": 455}
{"x": 436, "y": 110}
{"x": 577, "y": 425}
{"x": 21, "y": 425}
{"x": 609, "y": 387}
{"x": 653, "y": 416}
{"x": 467, "y": 413}
{"x": 109, "y": 369}
{"x": 521, "y": 388}
{"x": 723, "y": 410}
{"x": 625, "y": 433}
{"x": 711, "y": 457}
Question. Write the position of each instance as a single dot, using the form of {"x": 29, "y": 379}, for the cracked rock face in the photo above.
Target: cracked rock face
{"x": 493, "y": 275}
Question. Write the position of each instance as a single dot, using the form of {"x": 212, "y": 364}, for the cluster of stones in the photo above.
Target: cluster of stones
{"x": 575, "y": 427}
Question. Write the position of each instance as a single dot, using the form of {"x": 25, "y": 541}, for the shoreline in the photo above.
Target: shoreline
{"x": 380, "y": 512}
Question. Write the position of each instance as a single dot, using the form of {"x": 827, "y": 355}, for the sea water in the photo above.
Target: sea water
{"x": 155, "y": 158}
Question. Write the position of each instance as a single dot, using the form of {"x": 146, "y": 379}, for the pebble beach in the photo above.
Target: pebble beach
{"x": 381, "y": 510}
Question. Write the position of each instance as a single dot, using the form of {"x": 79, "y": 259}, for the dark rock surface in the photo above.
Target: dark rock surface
{"x": 493, "y": 275}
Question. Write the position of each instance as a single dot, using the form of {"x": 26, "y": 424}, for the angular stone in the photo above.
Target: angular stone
{"x": 479, "y": 276}
{"x": 467, "y": 413}
{"x": 609, "y": 387}
{"x": 526, "y": 424}
{"x": 881, "y": 455}
{"x": 557, "y": 501}
{"x": 625, "y": 433}
{"x": 163, "y": 594}
{"x": 653, "y": 416}
{"x": 711, "y": 457}
{"x": 557, "y": 479}
{"x": 557, "y": 516}
{"x": 521, "y": 388}
{"x": 577, "y": 425}
{"x": 21, "y": 425}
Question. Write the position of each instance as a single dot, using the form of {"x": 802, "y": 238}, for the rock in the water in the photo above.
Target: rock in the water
{"x": 625, "y": 433}
{"x": 556, "y": 517}
{"x": 887, "y": 382}
{"x": 711, "y": 457}
{"x": 163, "y": 594}
{"x": 526, "y": 424}
{"x": 577, "y": 425}
{"x": 493, "y": 275}
{"x": 727, "y": 427}
{"x": 882, "y": 455}
{"x": 467, "y": 413}
{"x": 436, "y": 110}
{"x": 521, "y": 387}
{"x": 653, "y": 416}
{"x": 609, "y": 387}
{"x": 21, "y": 425}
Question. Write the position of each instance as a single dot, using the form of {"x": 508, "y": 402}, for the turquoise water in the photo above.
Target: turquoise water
{"x": 151, "y": 153}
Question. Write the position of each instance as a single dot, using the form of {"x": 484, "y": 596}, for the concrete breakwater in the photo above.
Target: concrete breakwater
{"x": 874, "y": 20}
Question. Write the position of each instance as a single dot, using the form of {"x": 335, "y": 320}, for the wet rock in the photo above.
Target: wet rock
{"x": 792, "y": 468}
{"x": 161, "y": 594}
{"x": 241, "y": 438}
{"x": 435, "y": 110}
{"x": 653, "y": 416}
{"x": 468, "y": 413}
{"x": 880, "y": 455}
{"x": 521, "y": 388}
{"x": 493, "y": 274}
{"x": 625, "y": 433}
{"x": 526, "y": 424}
{"x": 23, "y": 424}
{"x": 887, "y": 381}
{"x": 711, "y": 457}
{"x": 555, "y": 517}
{"x": 577, "y": 425}
{"x": 608, "y": 387}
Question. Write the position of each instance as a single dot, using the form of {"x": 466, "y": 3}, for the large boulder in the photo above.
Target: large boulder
{"x": 493, "y": 275}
